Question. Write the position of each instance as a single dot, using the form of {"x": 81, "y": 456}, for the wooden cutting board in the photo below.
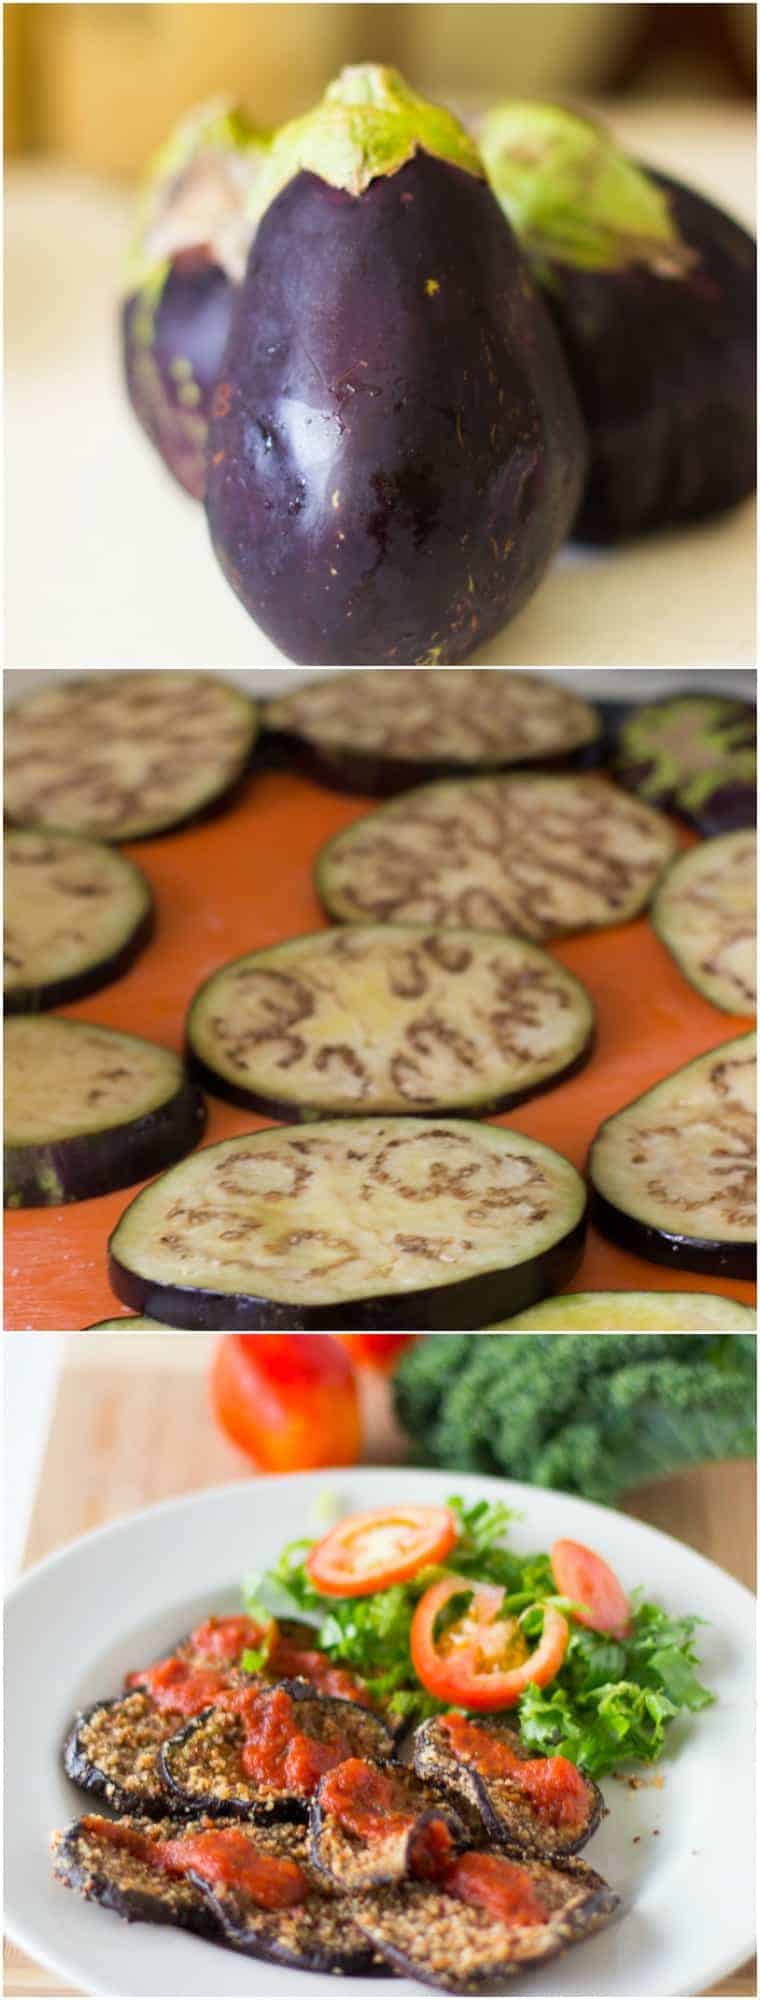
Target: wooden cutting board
{"x": 244, "y": 880}
{"x": 137, "y": 1407}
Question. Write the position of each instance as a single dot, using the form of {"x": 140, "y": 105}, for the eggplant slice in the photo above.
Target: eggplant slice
{"x": 112, "y": 1748}
{"x": 316, "y": 1935}
{"x": 633, "y": 1312}
{"x": 117, "y": 1325}
{"x": 381, "y": 729}
{"x": 88, "y": 1110}
{"x": 692, "y": 754}
{"x": 125, "y": 755}
{"x": 705, "y": 913}
{"x": 509, "y": 1815}
{"x": 201, "y": 1764}
{"x": 429, "y": 1934}
{"x": 421, "y": 1830}
{"x": 76, "y": 916}
{"x": 87, "y": 1860}
{"x": 674, "y": 1172}
{"x": 532, "y": 854}
{"x": 388, "y": 1018}
{"x": 399, "y": 1223}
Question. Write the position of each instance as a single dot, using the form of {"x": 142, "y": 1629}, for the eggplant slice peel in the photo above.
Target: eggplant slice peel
{"x": 88, "y": 1109}
{"x": 382, "y": 730}
{"x": 429, "y": 1934}
{"x": 508, "y": 1814}
{"x": 201, "y": 1764}
{"x": 76, "y": 916}
{"x": 705, "y": 914}
{"x": 673, "y": 1173}
{"x": 397, "y": 1223}
{"x": 122, "y": 756}
{"x": 316, "y": 1934}
{"x": 535, "y": 854}
{"x": 388, "y": 1018}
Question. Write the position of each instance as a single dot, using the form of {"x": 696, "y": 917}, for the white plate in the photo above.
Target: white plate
{"x": 681, "y": 1856}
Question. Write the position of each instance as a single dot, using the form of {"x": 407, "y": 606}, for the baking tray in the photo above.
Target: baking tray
{"x": 243, "y": 880}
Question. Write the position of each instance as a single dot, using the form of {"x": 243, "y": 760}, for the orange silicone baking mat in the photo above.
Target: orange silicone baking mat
{"x": 244, "y": 879}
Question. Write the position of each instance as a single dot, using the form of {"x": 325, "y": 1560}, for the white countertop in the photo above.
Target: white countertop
{"x": 108, "y": 564}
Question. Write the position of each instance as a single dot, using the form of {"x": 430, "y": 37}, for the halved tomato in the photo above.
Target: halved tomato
{"x": 480, "y": 1660}
{"x": 381, "y": 1546}
{"x": 588, "y": 1579}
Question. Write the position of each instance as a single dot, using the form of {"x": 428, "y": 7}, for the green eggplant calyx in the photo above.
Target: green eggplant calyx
{"x": 571, "y": 195}
{"x": 369, "y": 123}
{"x": 194, "y": 193}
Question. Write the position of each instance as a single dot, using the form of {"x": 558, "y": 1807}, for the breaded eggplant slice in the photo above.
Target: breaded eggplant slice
{"x": 429, "y": 1934}
{"x": 111, "y": 1750}
{"x": 410, "y": 1831}
{"x": 90, "y": 1861}
{"x": 201, "y": 1765}
{"x": 319, "y": 1934}
{"x": 510, "y": 1817}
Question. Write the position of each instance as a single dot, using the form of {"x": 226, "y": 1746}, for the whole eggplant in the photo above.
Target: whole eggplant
{"x": 395, "y": 449}
{"x": 652, "y": 291}
{"x": 189, "y": 255}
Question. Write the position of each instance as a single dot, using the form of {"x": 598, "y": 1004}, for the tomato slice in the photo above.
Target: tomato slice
{"x": 584, "y": 1576}
{"x": 381, "y": 1546}
{"x": 481, "y": 1661}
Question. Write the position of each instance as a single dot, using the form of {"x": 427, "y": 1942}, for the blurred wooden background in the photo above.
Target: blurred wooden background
{"x": 100, "y": 85}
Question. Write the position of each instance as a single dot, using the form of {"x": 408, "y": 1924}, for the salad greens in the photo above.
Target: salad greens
{"x": 612, "y": 1700}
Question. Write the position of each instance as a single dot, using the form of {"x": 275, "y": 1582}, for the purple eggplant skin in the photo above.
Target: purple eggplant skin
{"x": 659, "y": 1246}
{"x": 172, "y": 352}
{"x": 664, "y": 369}
{"x": 395, "y": 449}
{"x": 94, "y": 1163}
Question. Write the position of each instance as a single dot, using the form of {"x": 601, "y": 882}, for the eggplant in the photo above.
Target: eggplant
{"x": 89, "y": 1857}
{"x": 428, "y": 1932}
{"x": 189, "y": 256}
{"x": 76, "y": 917}
{"x": 395, "y": 451}
{"x": 385, "y": 1222}
{"x": 126, "y": 755}
{"x": 532, "y": 854}
{"x": 518, "y": 1821}
{"x": 388, "y": 1018}
{"x": 705, "y": 914}
{"x": 633, "y": 1312}
{"x": 111, "y": 1750}
{"x": 403, "y": 1828}
{"x": 117, "y": 1325}
{"x": 652, "y": 291}
{"x": 673, "y": 1173}
{"x": 385, "y": 730}
{"x": 88, "y": 1110}
{"x": 136, "y": 1869}
{"x": 695, "y": 755}
{"x": 201, "y": 1765}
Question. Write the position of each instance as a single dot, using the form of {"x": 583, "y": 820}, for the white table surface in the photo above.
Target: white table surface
{"x": 108, "y": 564}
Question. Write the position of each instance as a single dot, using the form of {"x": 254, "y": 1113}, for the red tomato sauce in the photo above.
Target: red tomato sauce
{"x": 227, "y": 1859}
{"x": 554, "y": 1786}
{"x": 503, "y": 1888}
{"x": 292, "y": 1661}
{"x": 119, "y": 1835}
{"x": 226, "y": 1638}
{"x": 178, "y": 1685}
{"x": 276, "y": 1752}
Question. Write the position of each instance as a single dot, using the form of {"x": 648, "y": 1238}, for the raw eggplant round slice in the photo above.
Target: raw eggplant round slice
{"x": 694, "y": 754}
{"x": 705, "y": 913}
{"x": 674, "y": 1172}
{"x": 88, "y": 1110}
{"x": 512, "y": 1813}
{"x": 383, "y": 729}
{"x": 203, "y": 1766}
{"x": 633, "y": 1312}
{"x": 76, "y": 915}
{"x": 535, "y": 854}
{"x": 429, "y": 1933}
{"x": 401, "y": 1223}
{"x": 388, "y": 1018}
{"x": 125, "y": 755}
